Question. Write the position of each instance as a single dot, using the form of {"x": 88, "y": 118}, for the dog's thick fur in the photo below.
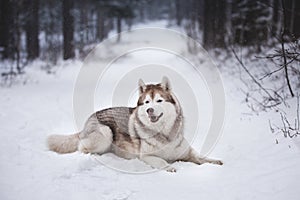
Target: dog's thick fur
{"x": 152, "y": 131}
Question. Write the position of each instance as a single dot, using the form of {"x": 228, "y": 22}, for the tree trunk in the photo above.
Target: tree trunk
{"x": 292, "y": 13}
{"x": 296, "y": 24}
{"x": 100, "y": 24}
{"x": 220, "y": 22}
{"x": 208, "y": 32}
{"x": 275, "y": 18}
{"x": 7, "y": 35}
{"x": 214, "y": 23}
{"x": 32, "y": 29}
{"x": 178, "y": 13}
{"x": 283, "y": 33}
{"x": 119, "y": 28}
{"x": 199, "y": 9}
{"x": 68, "y": 29}
{"x": 288, "y": 4}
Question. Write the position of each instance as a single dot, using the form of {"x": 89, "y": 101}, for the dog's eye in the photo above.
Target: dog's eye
{"x": 159, "y": 101}
{"x": 146, "y": 101}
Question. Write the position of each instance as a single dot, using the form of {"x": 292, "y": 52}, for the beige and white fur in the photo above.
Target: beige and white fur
{"x": 152, "y": 131}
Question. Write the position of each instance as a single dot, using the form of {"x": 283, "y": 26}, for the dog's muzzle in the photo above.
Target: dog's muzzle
{"x": 154, "y": 118}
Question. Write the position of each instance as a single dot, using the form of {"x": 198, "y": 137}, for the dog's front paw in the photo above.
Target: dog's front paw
{"x": 170, "y": 169}
{"x": 217, "y": 162}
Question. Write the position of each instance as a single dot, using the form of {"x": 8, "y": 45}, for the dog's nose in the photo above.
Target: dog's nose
{"x": 150, "y": 110}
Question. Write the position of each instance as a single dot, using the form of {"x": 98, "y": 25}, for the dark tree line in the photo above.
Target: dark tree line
{"x": 49, "y": 29}
{"x": 53, "y": 29}
{"x": 243, "y": 22}
{"x": 7, "y": 28}
{"x": 252, "y": 25}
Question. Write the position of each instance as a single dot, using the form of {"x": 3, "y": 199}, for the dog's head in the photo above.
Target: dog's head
{"x": 157, "y": 105}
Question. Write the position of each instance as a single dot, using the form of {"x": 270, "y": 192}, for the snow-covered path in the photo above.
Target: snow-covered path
{"x": 254, "y": 166}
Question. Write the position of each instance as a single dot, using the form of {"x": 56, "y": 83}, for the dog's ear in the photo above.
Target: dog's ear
{"x": 165, "y": 84}
{"x": 142, "y": 86}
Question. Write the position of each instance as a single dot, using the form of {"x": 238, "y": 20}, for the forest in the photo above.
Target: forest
{"x": 252, "y": 45}
{"x": 51, "y": 29}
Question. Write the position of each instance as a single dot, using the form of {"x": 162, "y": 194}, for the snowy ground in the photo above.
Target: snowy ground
{"x": 255, "y": 167}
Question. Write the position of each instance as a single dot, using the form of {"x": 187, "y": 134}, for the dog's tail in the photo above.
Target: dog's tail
{"x": 63, "y": 143}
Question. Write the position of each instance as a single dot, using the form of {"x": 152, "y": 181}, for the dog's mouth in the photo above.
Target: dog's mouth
{"x": 154, "y": 118}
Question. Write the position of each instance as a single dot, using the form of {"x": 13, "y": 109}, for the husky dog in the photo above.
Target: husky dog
{"x": 152, "y": 131}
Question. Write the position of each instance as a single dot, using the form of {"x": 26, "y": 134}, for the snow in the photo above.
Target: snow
{"x": 255, "y": 167}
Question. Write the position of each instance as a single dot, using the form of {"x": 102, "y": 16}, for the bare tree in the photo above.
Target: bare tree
{"x": 7, "y": 27}
{"x": 288, "y": 127}
{"x": 68, "y": 29}
{"x": 32, "y": 29}
{"x": 214, "y": 24}
{"x": 282, "y": 40}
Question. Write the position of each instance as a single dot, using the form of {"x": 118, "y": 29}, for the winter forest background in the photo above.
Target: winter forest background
{"x": 51, "y": 30}
{"x": 255, "y": 45}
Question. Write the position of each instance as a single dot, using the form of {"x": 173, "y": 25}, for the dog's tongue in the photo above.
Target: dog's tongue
{"x": 153, "y": 118}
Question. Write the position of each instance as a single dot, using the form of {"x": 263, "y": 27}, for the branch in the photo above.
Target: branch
{"x": 283, "y": 32}
{"x": 269, "y": 74}
{"x": 252, "y": 77}
{"x": 297, "y": 126}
